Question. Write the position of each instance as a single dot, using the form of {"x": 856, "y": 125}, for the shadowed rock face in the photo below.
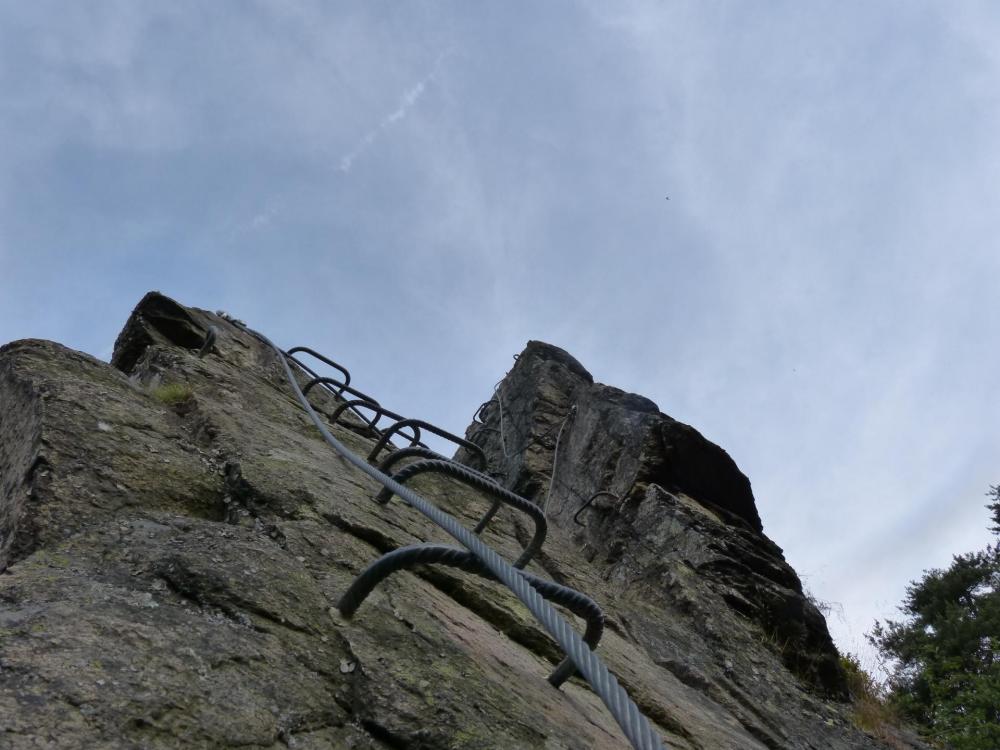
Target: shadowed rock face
{"x": 174, "y": 533}
{"x": 614, "y": 441}
{"x": 656, "y": 476}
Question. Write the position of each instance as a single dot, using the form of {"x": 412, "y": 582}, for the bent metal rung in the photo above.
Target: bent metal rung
{"x": 433, "y": 429}
{"x": 630, "y": 719}
{"x": 406, "y": 557}
{"x": 486, "y": 485}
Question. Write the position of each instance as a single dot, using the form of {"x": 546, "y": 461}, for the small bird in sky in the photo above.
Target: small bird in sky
{"x": 668, "y": 197}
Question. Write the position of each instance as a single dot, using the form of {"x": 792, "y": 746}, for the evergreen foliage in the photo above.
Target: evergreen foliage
{"x": 946, "y": 652}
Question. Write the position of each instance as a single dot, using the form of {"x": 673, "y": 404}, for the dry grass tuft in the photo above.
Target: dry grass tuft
{"x": 872, "y": 712}
{"x": 172, "y": 394}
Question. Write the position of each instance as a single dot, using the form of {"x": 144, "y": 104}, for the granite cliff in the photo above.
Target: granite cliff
{"x": 175, "y": 537}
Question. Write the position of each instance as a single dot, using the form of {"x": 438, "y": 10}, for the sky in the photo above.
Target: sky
{"x": 780, "y": 221}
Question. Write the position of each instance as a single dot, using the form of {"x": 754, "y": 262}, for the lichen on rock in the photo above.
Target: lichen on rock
{"x": 171, "y": 567}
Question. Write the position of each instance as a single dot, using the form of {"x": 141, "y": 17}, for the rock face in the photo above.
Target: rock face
{"x": 174, "y": 535}
{"x": 671, "y": 503}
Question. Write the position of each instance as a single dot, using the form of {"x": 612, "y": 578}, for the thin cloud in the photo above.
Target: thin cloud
{"x": 406, "y": 103}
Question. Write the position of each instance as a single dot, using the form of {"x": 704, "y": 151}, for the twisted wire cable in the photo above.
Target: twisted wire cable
{"x": 502, "y": 431}
{"x": 354, "y": 404}
{"x": 633, "y": 723}
{"x": 328, "y": 384}
{"x": 483, "y": 484}
{"x": 555, "y": 455}
{"x": 412, "y": 451}
{"x": 503, "y": 441}
{"x": 416, "y": 424}
{"x": 415, "y": 451}
{"x": 406, "y": 557}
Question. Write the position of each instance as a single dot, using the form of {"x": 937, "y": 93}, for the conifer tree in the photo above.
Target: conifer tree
{"x": 946, "y": 652}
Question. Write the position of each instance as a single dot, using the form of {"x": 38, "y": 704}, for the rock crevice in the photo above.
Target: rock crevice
{"x": 174, "y": 535}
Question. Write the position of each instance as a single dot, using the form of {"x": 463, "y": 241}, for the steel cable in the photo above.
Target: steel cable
{"x": 416, "y": 425}
{"x": 483, "y": 484}
{"x": 345, "y": 388}
{"x": 503, "y": 441}
{"x": 353, "y": 405}
{"x": 406, "y": 557}
{"x": 634, "y": 725}
{"x": 555, "y": 455}
{"x": 502, "y": 432}
{"x": 415, "y": 451}
{"x": 412, "y": 451}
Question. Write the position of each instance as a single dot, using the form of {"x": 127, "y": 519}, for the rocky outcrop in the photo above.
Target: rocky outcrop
{"x": 615, "y": 441}
{"x": 175, "y": 534}
{"x": 668, "y": 502}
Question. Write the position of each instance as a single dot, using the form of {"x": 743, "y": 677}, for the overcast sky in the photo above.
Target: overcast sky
{"x": 419, "y": 188}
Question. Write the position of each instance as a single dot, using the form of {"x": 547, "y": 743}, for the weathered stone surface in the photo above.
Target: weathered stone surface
{"x": 171, "y": 557}
{"x": 675, "y": 502}
{"x": 82, "y": 443}
{"x": 672, "y": 529}
{"x": 617, "y": 439}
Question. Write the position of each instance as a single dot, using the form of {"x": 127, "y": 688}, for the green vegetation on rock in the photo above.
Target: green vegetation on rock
{"x": 170, "y": 574}
{"x": 872, "y": 711}
{"x": 172, "y": 394}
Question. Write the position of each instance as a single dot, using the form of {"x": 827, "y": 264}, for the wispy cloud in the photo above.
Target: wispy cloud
{"x": 819, "y": 284}
{"x": 407, "y": 102}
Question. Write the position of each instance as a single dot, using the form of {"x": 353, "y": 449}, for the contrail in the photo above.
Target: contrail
{"x": 406, "y": 103}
